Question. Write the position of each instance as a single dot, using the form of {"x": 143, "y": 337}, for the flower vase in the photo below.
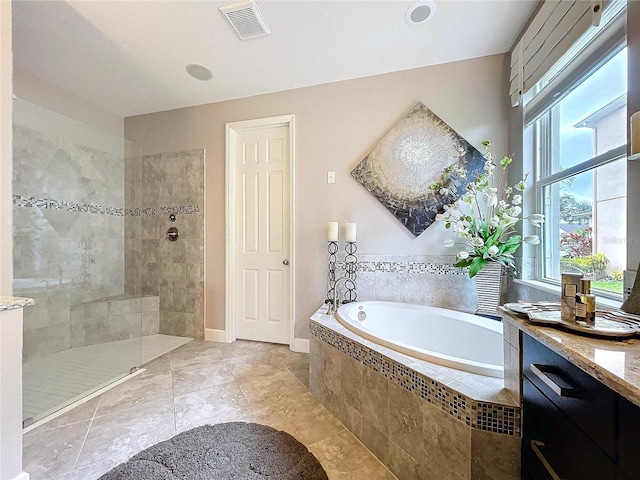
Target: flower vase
{"x": 489, "y": 288}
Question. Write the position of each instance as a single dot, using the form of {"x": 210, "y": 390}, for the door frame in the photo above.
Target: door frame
{"x": 232, "y": 130}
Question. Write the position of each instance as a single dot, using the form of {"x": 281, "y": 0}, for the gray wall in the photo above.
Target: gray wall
{"x": 58, "y": 100}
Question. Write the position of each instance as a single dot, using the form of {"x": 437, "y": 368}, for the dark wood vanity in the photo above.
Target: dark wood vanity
{"x": 580, "y": 404}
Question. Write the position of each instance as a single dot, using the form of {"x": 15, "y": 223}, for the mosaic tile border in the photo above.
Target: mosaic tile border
{"x": 406, "y": 267}
{"x": 433, "y": 268}
{"x": 178, "y": 210}
{"x": 47, "y": 203}
{"x": 487, "y": 416}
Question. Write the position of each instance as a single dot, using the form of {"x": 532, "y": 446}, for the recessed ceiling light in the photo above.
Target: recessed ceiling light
{"x": 420, "y": 12}
{"x": 199, "y": 72}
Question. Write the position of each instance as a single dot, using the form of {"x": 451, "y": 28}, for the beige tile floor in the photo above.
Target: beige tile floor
{"x": 198, "y": 383}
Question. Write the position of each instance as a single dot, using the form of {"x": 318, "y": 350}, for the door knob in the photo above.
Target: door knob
{"x": 285, "y": 262}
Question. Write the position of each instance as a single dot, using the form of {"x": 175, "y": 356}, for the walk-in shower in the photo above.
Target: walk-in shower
{"x": 75, "y": 231}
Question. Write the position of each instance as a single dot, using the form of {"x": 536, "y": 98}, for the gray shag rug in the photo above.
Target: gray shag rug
{"x": 235, "y": 450}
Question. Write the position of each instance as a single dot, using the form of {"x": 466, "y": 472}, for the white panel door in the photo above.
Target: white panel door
{"x": 262, "y": 227}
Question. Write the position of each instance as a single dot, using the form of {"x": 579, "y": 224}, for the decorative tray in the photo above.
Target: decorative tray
{"x": 615, "y": 323}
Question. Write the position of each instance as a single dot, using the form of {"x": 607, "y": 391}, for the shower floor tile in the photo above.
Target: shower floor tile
{"x": 58, "y": 379}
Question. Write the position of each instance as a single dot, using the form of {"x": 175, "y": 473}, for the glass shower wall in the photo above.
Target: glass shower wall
{"x": 70, "y": 193}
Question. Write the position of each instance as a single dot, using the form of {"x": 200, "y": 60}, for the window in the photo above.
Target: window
{"x": 578, "y": 143}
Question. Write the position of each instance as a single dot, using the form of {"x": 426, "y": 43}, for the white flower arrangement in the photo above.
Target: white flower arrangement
{"x": 483, "y": 221}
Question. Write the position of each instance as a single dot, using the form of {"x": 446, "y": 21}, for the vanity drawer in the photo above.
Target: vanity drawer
{"x": 551, "y": 442}
{"x": 585, "y": 401}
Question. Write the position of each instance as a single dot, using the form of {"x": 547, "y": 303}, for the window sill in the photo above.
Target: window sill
{"x": 601, "y": 302}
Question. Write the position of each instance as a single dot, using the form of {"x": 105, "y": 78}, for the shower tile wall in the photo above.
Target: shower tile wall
{"x": 68, "y": 232}
{"x": 424, "y": 279}
{"x": 171, "y": 183}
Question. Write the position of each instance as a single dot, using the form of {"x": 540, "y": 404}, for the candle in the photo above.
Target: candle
{"x": 351, "y": 232}
{"x": 635, "y": 133}
{"x": 332, "y": 231}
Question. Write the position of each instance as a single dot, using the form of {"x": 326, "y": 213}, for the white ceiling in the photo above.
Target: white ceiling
{"x": 129, "y": 56}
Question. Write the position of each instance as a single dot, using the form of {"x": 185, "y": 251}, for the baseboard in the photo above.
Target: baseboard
{"x": 22, "y": 476}
{"x": 215, "y": 335}
{"x": 300, "y": 345}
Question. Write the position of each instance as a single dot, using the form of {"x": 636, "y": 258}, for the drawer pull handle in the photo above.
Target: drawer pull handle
{"x": 560, "y": 390}
{"x": 535, "y": 446}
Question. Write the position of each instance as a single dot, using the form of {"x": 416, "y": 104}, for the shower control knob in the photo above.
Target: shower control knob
{"x": 172, "y": 234}
{"x": 285, "y": 262}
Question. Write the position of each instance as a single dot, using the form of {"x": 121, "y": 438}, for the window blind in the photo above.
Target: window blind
{"x": 555, "y": 28}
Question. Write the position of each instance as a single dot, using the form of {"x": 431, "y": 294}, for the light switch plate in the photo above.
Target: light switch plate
{"x": 331, "y": 177}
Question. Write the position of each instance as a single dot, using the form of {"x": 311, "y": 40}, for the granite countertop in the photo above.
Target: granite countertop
{"x": 9, "y": 303}
{"x": 615, "y": 363}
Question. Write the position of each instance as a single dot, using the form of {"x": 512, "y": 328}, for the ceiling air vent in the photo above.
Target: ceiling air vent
{"x": 246, "y": 20}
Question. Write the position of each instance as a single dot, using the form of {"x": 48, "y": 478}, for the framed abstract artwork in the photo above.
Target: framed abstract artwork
{"x": 410, "y": 159}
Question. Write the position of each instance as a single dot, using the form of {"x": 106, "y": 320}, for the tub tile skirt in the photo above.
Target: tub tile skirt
{"x": 417, "y": 426}
{"x": 491, "y": 417}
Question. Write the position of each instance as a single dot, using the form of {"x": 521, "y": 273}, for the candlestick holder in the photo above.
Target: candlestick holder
{"x": 332, "y": 249}
{"x": 350, "y": 267}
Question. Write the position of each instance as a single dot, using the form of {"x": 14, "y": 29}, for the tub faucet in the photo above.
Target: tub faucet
{"x": 333, "y": 306}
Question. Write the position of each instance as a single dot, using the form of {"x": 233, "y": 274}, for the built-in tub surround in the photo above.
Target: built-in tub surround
{"x": 422, "y": 420}
{"x": 425, "y": 333}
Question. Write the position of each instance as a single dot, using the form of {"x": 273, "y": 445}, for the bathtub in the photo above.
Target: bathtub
{"x": 445, "y": 337}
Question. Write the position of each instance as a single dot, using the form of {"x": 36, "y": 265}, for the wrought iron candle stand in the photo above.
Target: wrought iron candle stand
{"x": 332, "y": 248}
{"x": 350, "y": 267}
